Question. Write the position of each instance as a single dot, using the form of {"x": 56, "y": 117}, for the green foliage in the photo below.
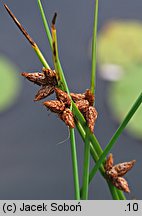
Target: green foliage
{"x": 121, "y": 95}
{"x": 120, "y": 43}
{"x": 9, "y": 83}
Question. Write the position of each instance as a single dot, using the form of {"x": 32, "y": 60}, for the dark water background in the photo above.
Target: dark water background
{"x": 33, "y": 165}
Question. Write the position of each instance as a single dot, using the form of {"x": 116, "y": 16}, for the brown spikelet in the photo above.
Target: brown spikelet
{"x": 44, "y": 92}
{"x": 67, "y": 117}
{"x": 90, "y": 97}
{"x": 123, "y": 168}
{"x": 37, "y": 78}
{"x": 112, "y": 173}
{"x": 109, "y": 162}
{"x": 55, "y": 106}
{"x": 50, "y": 76}
{"x": 91, "y": 116}
{"x": 76, "y": 97}
{"x": 63, "y": 96}
{"x": 82, "y": 105}
{"x": 115, "y": 173}
{"x": 121, "y": 184}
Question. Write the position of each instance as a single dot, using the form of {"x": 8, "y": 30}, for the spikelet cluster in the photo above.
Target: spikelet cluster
{"x": 116, "y": 172}
{"x": 47, "y": 80}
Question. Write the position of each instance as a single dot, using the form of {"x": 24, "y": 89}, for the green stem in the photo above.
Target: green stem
{"x": 80, "y": 117}
{"x": 48, "y": 33}
{"x": 121, "y": 195}
{"x": 76, "y": 111}
{"x": 101, "y": 169}
{"x": 86, "y": 166}
{"x": 87, "y": 139}
{"x": 92, "y": 149}
{"x": 92, "y": 137}
{"x": 94, "y": 42}
{"x": 41, "y": 57}
{"x": 116, "y": 135}
{"x": 72, "y": 133}
{"x": 114, "y": 191}
{"x": 96, "y": 150}
{"x": 74, "y": 164}
{"x": 46, "y": 26}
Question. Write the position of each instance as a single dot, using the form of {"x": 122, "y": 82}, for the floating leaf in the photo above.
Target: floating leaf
{"x": 9, "y": 83}
{"x": 122, "y": 94}
{"x": 120, "y": 44}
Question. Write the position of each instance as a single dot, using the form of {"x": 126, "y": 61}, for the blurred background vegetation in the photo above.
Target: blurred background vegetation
{"x": 10, "y": 85}
{"x": 120, "y": 60}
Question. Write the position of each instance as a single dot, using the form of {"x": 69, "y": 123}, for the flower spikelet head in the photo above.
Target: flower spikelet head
{"x": 50, "y": 76}
{"x": 121, "y": 184}
{"x": 55, "y": 106}
{"x": 109, "y": 162}
{"x": 44, "y": 92}
{"x": 63, "y": 96}
{"x": 37, "y": 78}
{"x": 90, "y": 97}
{"x": 115, "y": 173}
{"x": 82, "y": 105}
{"x": 67, "y": 117}
{"x": 91, "y": 116}
{"x": 123, "y": 168}
{"x": 76, "y": 97}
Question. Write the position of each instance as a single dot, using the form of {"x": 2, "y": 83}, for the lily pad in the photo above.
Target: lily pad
{"x": 120, "y": 45}
{"x": 9, "y": 83}
{"x": 120, "y": 42}
{"x": 122, "y": 95}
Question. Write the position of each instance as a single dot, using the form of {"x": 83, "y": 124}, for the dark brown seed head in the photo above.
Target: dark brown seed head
{"x": 50, "y": 76}
{"x": 63, "y": 96}
{"x": 37, "y": 78}
{"x": 109, "y": 163}
{"x": 91, "y": 116}
{"x": 82, "y": 105}
{"x": 121, "y": 184}
{"x": 44, "y": 92}
{"x": 67, "y": 117}
{"x": 55, "y": 106}
{"x": 123, "y": 168}
{"x": 90, "y": 97}
{"x": 76, "y": 97}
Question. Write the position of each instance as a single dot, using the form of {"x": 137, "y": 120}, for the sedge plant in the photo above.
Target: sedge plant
{"x": 92, "y": 146}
